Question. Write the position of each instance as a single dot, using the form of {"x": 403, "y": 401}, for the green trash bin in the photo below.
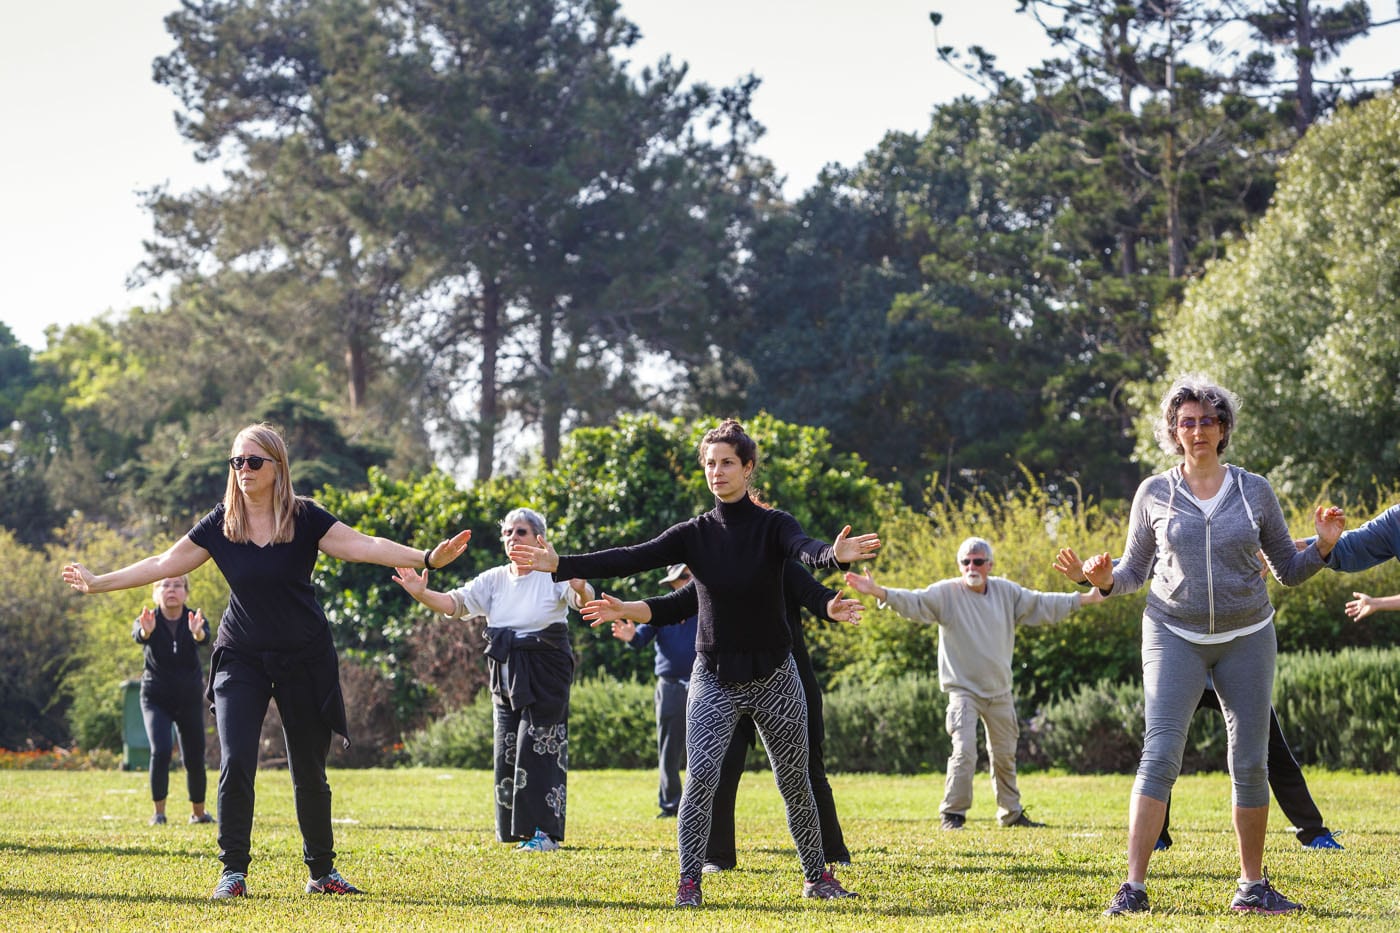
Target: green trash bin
{"x": 136, "y": 747}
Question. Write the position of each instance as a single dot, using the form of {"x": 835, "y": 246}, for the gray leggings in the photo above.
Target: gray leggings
{"x": 1174, "y": 673}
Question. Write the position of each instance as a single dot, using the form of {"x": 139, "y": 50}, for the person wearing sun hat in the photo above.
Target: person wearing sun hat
{"x": 675, "y": 656}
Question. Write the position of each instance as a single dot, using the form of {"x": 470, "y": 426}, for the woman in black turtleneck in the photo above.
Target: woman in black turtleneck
{"x": 744, "y": 661}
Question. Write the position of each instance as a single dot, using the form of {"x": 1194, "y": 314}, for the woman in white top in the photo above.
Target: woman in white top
{"x": 531, "y": 664}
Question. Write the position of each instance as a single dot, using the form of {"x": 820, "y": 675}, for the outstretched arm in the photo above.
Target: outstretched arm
{"x": 345, "y": 543}
{"x": 180, "y": 558}
{"x": 416, "y": 585}
{"x": 1363, "y": 605}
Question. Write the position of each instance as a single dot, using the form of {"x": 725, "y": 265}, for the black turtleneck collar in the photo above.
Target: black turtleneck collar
{"x": 737, "y": 511}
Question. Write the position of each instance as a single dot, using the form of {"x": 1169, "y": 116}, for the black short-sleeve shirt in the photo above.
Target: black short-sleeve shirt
{"x": 272, "y": 606}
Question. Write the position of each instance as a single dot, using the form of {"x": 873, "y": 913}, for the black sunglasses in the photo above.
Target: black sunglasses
{"x": 253, "y": 463}
{"x": 974, "y": 561}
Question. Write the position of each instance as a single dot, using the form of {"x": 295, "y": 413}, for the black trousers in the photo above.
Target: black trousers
{"x": 1285, "y": 780}
{"x": 242, "y": 689}
{"x": 721, "y": 849}
{"x": 181, "y": 705}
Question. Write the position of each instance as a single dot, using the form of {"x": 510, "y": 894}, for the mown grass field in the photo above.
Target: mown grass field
{"x": 76, "y": 853}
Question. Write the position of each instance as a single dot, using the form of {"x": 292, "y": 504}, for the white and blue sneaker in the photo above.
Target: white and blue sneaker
{"x": 539, "y": 842}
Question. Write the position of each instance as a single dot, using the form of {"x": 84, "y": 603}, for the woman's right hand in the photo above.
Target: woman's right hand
{"x": 147, "y": 621}
{"x": 78, "y": 577}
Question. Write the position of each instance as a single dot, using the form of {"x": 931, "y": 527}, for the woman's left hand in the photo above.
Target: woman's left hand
{"x": 539, "y": 556}
{"x": 845, "y": 610}
{"x": 861, "y": 547}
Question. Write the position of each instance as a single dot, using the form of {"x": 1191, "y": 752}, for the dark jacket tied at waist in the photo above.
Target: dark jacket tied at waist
{"x": 532, "y": 671}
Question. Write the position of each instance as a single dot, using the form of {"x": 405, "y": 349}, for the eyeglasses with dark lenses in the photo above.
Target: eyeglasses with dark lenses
{"x": 253, "y": 463}
{"x": 1189, "y": 424}
{"x": 973, "y": 561}
{"x": 521, "y": 532}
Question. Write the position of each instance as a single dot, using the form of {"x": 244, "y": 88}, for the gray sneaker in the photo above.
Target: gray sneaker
{"x": 688, "y": 893}
{"x": 826, "y": 888}
{"x": 1128, "y": 900}
{"x": 1262, "y": 898}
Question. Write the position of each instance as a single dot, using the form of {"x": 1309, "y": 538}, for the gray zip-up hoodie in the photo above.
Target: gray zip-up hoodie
{"x": 1206, "y": 575}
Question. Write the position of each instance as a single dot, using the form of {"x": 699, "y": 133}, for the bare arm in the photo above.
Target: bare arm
{"x": 345, "y": 543}
{"x": 416, "y": 585}
{"x": 180, "y": 558}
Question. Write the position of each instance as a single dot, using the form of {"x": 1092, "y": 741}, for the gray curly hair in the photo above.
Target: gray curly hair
{"x": 1193, "y": 388}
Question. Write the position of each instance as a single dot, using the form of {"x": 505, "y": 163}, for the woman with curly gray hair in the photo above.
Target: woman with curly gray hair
{"x": 1196, "y": 531}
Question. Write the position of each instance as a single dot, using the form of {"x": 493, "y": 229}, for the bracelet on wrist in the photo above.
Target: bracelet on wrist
{"x": 427, "y": 555}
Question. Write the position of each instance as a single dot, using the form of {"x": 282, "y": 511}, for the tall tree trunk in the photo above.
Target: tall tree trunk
{"x": 356, "y": 368}
{"x": 1304, "y": 105}
{"x": 552, "y": 407}
{"x": 488, "y": 415}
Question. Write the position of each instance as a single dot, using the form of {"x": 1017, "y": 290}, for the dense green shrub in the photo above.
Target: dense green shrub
{"x": 460, "y": 739}
{"x": 1340, "y": 710}
{"x": 612, "y": 724}
{"x": 1337, "y": 710}
{"x": 895, "y": 727}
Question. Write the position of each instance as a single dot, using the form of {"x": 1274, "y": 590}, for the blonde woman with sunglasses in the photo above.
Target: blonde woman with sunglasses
{"x": 273, "y": 642}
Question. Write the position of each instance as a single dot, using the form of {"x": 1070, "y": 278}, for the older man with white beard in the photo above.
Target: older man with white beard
{"x": 977, "y": 614}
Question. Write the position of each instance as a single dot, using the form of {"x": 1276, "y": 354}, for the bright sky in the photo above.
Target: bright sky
{"x": 86, "y": 129}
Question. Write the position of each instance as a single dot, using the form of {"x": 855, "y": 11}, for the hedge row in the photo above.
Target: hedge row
{"x": 1338, "y": 711}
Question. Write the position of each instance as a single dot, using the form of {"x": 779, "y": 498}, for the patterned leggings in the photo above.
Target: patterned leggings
{"x": 778, "y": 708}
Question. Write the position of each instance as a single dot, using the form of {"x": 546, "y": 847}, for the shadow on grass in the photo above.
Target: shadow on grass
{"x": 70, "y": 849}
{"x": 106, "y": 895}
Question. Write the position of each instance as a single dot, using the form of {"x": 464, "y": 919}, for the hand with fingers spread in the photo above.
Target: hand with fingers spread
{"x": 611, "y": 609}
{"x": 841, "y": 609}
{"x": 865, "y": 584}
{"x": 850, "y": 549}
{"x": 147, "y": 621}
{"x": 539, "y": 556}
{"x": 1362, "y": 605}
{"x": 1068, "y": 563}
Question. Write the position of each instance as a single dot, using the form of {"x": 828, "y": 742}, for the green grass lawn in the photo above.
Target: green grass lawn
{"x": 76, "y": 853}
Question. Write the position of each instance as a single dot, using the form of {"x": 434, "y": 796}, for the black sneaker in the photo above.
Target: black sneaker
{"x": 1128, "y": 900}
{"x": 1023, "y": 820}
{"x": 157, "y": 820}
{"x": 953, "y": 820}
{"x": 1262, "y": 898}
{"x": 826, "y": 888}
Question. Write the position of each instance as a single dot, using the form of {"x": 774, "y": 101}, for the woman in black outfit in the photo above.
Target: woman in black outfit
{"x": 274, "y": 641}
{"x": 171, "y": 688}
{"x": 743, "y": 662}
{"x": 799, "y": 589}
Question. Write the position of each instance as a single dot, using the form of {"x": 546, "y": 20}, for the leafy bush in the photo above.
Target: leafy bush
{"x": 612, "y": 724}
{"x": 1339, "y": 710}
{"x": 1328, "y": 704}
{"x": 896, "y": 727}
